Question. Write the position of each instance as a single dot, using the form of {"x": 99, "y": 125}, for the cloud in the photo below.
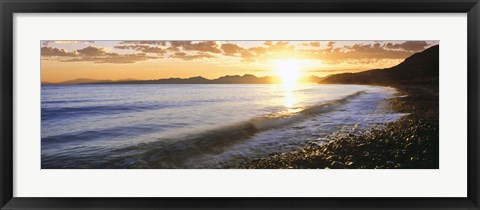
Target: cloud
{"x": 258, "y": 50}
{"x": 331, "y": 44}
{"x": 231, "y": 49}
{"x": 354, "y": 54}
{"x": 186, "y": 56}
{"x": 249, "y": 54}
{"x": 126, "y": 58}
{"x": 52, "y": 51}
{"x": 176, "y": 45}
{"x": 204, "y": 46}
{"x": 47, "y": 42}
{"x": 408, "y": 45}
{"x": 92, "y": 51}
{"x": 143, "y": 48}
{"x": 359, "y": 53}
{"x": 374, "y": 51}
{"x": 311, "y": 44}
{"x": 281, "y": 46}
{"x": 112, "y": 58}
{"x": 270, "y": 49}
{"x": 93, "y": 54}
{"x": 145, "y": 42}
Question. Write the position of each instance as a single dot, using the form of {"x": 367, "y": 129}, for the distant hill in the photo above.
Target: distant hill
{"x": 420, "y": 68}
{"x": 228, "y": 79}
{"x": 245, "y": 79}
{"x": 310, "y": 79}
{"x": 76, "y": 81}
{"x": 83, "y": 81}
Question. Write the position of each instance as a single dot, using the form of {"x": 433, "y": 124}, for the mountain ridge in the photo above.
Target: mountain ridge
{"x": 227, "y": 79}
{"x": 420, "y": 68}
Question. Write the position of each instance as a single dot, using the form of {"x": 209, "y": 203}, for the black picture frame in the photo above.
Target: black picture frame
{"x": 10, "y": 7}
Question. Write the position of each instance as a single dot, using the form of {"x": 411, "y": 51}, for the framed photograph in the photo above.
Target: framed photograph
{"x": 239, "y": 105}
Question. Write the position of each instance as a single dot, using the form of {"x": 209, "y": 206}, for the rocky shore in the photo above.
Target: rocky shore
{"x": 412, "y": 142}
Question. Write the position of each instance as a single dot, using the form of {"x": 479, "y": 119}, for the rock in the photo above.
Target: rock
{"x": 348, "y": 157}
{"x": 409, "y": 146}
{"x": 336, "y": 164}
{"x": 398, "y": 157}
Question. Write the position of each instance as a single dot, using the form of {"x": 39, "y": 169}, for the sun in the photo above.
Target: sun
{"x": 288, "y": 71}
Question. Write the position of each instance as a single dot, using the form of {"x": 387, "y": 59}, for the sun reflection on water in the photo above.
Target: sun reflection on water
{"x": 289, "y": 99}
{"x": 289, "y": 73}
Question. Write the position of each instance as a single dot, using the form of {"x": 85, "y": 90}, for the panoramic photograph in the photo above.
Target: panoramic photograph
{"x": 227, "y": 104}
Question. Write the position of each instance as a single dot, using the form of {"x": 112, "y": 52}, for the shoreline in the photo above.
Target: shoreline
{"x": 412, "y": 142}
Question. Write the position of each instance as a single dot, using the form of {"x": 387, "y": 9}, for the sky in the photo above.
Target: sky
{"x": 156, "y": 59}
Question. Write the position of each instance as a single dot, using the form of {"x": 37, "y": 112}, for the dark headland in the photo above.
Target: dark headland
{"x": 409, "y": 143}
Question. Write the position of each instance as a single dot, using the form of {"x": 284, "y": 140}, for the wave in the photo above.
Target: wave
{"x": 69, "y": 101}
{"x": 282, "y": 119}
{"x": 103, "y": 134}
{"x": 66, "y": 112}
{"x": 173, "y": 153}
{"x": 48, "y": 113}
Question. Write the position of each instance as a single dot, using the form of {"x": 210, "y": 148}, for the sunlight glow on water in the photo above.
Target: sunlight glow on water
{"x": 170, "y": 126}
{"x": 289, "y": 98}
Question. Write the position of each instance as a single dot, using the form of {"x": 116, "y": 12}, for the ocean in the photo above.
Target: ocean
{"x": 157, "y": 126}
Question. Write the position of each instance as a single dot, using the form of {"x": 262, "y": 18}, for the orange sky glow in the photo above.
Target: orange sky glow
{"x": 146, "y": 60}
